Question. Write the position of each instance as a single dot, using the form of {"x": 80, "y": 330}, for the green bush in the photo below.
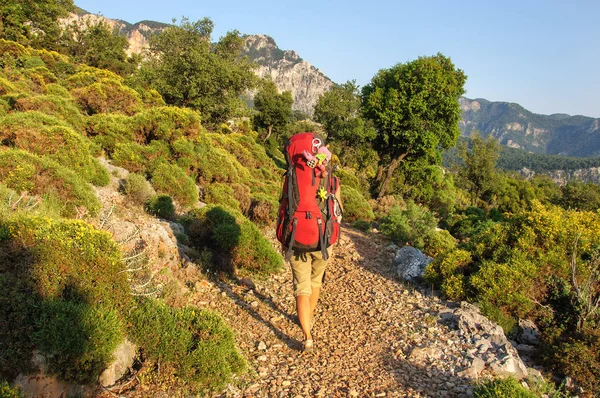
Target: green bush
{"x": 447, "y": 271}
{"x": 165, "y": 123}
{"x": 263, "y": 209}
{"x": 362, "y": 225}
{"x": 356, "y": 207}
{"x": 137, "y": 188}
{"x": 221, "y": 194}
{"x": 107, "y": 95}
{"x": 6, "y": 391}
{"x": 238, "y": 242}
{"x": 61, "y": 290}
{"x": 45, "y": 135}
{"x": 109, "y": 129}
{"x": 438, "y": 242}
{"x": 172, "y": 180}
{"x": 77, "y": 339}
{"x": 63, "y": 108}
{"x": 130, "y": 156}
{"x": 161, "y": 206}
{"x": 502, "y": 388}
{"x": 409, "y": 226}
{"x": 197, "y": 343}
{"x": 579, "y": 357}
{"x": 22, "y": 171}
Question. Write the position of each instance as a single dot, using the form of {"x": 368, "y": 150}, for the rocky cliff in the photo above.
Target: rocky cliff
{"x": 284, "y": 67}
{"x": 137, "y": 34}
{"x": 288, "y": 71}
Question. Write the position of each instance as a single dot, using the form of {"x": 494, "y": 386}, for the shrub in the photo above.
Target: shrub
{"x": 109, "y": 129}
{"x": 356, "y": 207}
{"x": 77, "y": 339}
{"x": 409, "y": 226}
{"x": 579, "y": 357}
{"x": 60, "y": 285}
{"x": 53, "y": 105}
{"x": 221, "y": 194}
{"x": 238, "y": 242}
{"x": 165, "y": 123}
{"x": 263, "y": 209}
{"x": 438, "y": 242}
{"x": 362, "y": 225}
{"x": 161, "y": 206}
{"x": 197, "y": 343}
{"x": 35, "y": 132}
{"x": 447, "y": 271}
{"x": 108, "y": 95}
{"x": 171, "y": 179}
{"x": 23, "y": 171}
{"x": 129, "y": 155}
{"x": 137, "y": 188}
{"x": 54, "y": 89}
{"x": 502, "y": 388}
{"x": 383, "y": 206}
{"x": 6, "y": 391}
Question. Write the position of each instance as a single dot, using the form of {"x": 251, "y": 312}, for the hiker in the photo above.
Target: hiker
{"x": 308, "y": 224}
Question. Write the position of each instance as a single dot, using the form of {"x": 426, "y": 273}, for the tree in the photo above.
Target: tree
{"x": 339, "y": 111}
{"x": 415, "y": 109}
{"x": 275, "y": 110}
{"x": 33, "y": 22}
{"x": 98, "y": 45}
{"x": 188, "y": 71}
{"x": 479, "y": 169}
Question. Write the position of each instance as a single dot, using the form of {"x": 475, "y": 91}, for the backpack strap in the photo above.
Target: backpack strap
{"x": 288, "y": 253}
{"x": 324, "y": 252}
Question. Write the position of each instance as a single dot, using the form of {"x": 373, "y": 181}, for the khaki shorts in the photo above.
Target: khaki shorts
{"x": 307, "y": 271}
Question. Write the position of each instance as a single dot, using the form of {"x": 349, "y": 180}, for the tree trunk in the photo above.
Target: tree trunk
{"x": 388, "y": 176}
{"x": 268, "y": 133}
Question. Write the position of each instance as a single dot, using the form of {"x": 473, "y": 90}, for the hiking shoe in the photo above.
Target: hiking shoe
{"x": 308, "y": 346}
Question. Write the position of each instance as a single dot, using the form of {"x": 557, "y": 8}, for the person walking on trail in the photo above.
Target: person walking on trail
{"x": 308, "y": 224}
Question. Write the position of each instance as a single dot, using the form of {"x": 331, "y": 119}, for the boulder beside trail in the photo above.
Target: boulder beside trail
{"x": 410, "y": 263}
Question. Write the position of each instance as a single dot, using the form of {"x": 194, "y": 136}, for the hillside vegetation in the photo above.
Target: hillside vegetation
{"x": 176, "y": 121}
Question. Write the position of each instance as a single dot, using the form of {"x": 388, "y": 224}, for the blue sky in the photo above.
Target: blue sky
{"x": 544, "y": 55}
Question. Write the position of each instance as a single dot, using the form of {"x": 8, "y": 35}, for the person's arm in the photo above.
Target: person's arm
{"x": 338, "y": 197}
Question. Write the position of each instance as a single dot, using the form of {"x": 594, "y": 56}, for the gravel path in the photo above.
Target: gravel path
{"x": 374, "y": 336}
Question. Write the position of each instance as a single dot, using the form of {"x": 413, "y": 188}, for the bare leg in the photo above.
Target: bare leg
{"x": 314, "y": 298}
{"x": 304, "y": 313}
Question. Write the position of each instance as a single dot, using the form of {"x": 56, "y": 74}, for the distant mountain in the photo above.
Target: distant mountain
{"x": 516, "y": 127}
{"x": 288, "y": 71}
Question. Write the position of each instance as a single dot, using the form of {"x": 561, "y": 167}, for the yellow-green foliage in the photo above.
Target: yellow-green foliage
{"x": 23, "y": 171}
{"x": 579, "y": 358}
{"x": 221, "y": 194}
{"x": 102, "y": 91}
{"x": 356, "y": 206}
{"x": 165, "y": 123}
{"x": 54, "y": 105}
{"x": 438, "y": 242}
{"x": 238, "y": 242}
{"x": 87, "y": 75}
{"x": 13, "y": 49}
{"x": 172, "y": 180}
{"x": 447, "y": 271}
{"x": 45, "y": 135}
{"x": 109, "y": 129}
{"x": 502, "y": 388}
{"x": 197, "y": 343}
{"x": 50, "y": 58}
{"x": 108, "y": 95}
{"x": 130, "y": 156}
{"x": 6, "y": 86}
{"x": 61, "y": 290}
{"x": 57, "y": 90}
{"x": 6, "y": 391}
{"x": 137, "y": 188}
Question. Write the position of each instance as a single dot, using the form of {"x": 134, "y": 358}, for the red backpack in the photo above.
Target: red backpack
{"x": 309, "y": 210}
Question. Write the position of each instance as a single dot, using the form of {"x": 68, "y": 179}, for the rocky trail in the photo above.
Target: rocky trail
{"x": 374, "y": 336}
